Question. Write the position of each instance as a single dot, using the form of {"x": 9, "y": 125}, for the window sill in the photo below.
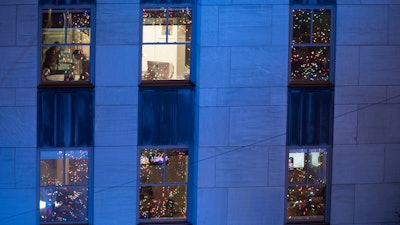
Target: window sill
{"x": 164, "y": 223}
{"x": 303, "y": 83}
{"x": 307, "y": 223}
{"x": 161, "y": 83}
{"x": 66, "y": 84}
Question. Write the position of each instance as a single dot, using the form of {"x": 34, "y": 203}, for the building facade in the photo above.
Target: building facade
{"x": 207, "y": 112}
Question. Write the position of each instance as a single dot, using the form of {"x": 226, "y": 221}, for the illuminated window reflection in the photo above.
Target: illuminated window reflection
{"x": 64, "y": 186}
{"x": 311, "y": 38}
{"x": 167, "y": 33}
{"x": 307, "y": 180}
{"x": 66, "y": 37}
{"x": 163, "y": 183}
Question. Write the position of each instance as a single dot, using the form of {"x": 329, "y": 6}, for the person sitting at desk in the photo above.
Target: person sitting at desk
{"x": 81, "y": 64}
{"x": 52, "y": 60}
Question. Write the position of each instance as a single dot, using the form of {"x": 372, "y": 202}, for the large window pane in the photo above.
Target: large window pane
{"x": 65, "y": 63}
{"x": 76, "y": 165}
{"x": 63, "y": 204}
{"x": 310, "y": 63}
{"x": 64, "y": 186}
{"x": 163, "y": 202}
{"x": 311, "y": 46}
{"x": 65, "y": 52}
{"x": 151, "y": 166}
{"x": 163, "y": 183}
{"x": 51, "y": 168}
{"x": 167, "y": 34}
{"x": 177, "y": 166}
{"x": 301, "y": 26}
{"x": 322, "y": 26}
{"x": 307, "y": 180}
{"x": 165, "y": 62}
{"x": 306, "y": 203}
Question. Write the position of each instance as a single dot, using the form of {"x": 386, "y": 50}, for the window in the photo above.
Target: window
{"x": 166, "y": 43}
{"x": 165, "y": 135}
{"x": 65, "y": 42}
{"x": 310, "y": 111}
{"x": 65, "y": 117}
{"x": 166, "y": 111}
{"x": 64, "y": 180}
{"x": 311, "y": 50}
{"x": 65, "y": 137}
{"x": 166, "y": 115}
{"x": 163, "y": 183}
{"x": 307, "y": 184}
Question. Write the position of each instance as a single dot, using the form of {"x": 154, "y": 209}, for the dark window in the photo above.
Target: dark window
{"x": 65, "y": 117}
{"x": 166, "y": 116}
{"x": 310, "y": 112}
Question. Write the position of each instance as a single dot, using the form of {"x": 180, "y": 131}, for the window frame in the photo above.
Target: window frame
{"x": 165, "y": 149}
{"x": 305, "y": 86}
{"x": 88, "y": 186}
{"x": 327, "y": 185}
{"x": 331, "y": 44}
{"x": 65, "y": 8}
{"x": 168, "y": 82}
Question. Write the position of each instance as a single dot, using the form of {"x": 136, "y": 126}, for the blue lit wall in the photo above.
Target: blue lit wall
{"x": 239, "y": 160}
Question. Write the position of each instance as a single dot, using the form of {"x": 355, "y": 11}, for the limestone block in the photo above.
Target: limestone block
{"x": 345, "y": 124}
{"x": 245, "y": 204}
{"x": 18, "y": 126}
{"x": 359, "y": 94}
{"x": 342, "y": 206}
{"x": 244, "y": 25}
{"x": 375, "y": 203}
{"x": 207, "y": 96}
{"x": 276, "y": 166}
{"x": 257, "y": 125}
{"x": 7, "y": 96}
{"x": 115, "y": 126}
{"x": 115, "y": 66}
{"x": 379, "y": 65}
{"x": 116, "y": 96}
{"x": 20, "y": 207}
{"x": 207, "y": 22}
{"x": 19, "y": 67}
{"x": 213, "y": 204}
{"x": 394, "y": 25}
{"x": 366, "y": 163}
{"x": 8, "y": 28}
{"x": 117, "y": 24}
{"x": 213, "y": 67}
{"x": 242, "y": 166}
{"x": 259, "y": 66}
{"x": 115, "y": 206}
{"x": 356, "y": 25}
{"x": 205, "y": 165}
{"x": 392, "y": 156}
{"x": 7, "y": 167}
{"x": 347, "y": 61}
{"x": 26, "y": 96}
{"x": 379, "y": 123}
{"x": 243, "y": 96}
{"x": 26, "y": 168}
{"x": 27, "y": 32}
{"x": 213, "y": 126}
{"x": 115, "y": 166}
